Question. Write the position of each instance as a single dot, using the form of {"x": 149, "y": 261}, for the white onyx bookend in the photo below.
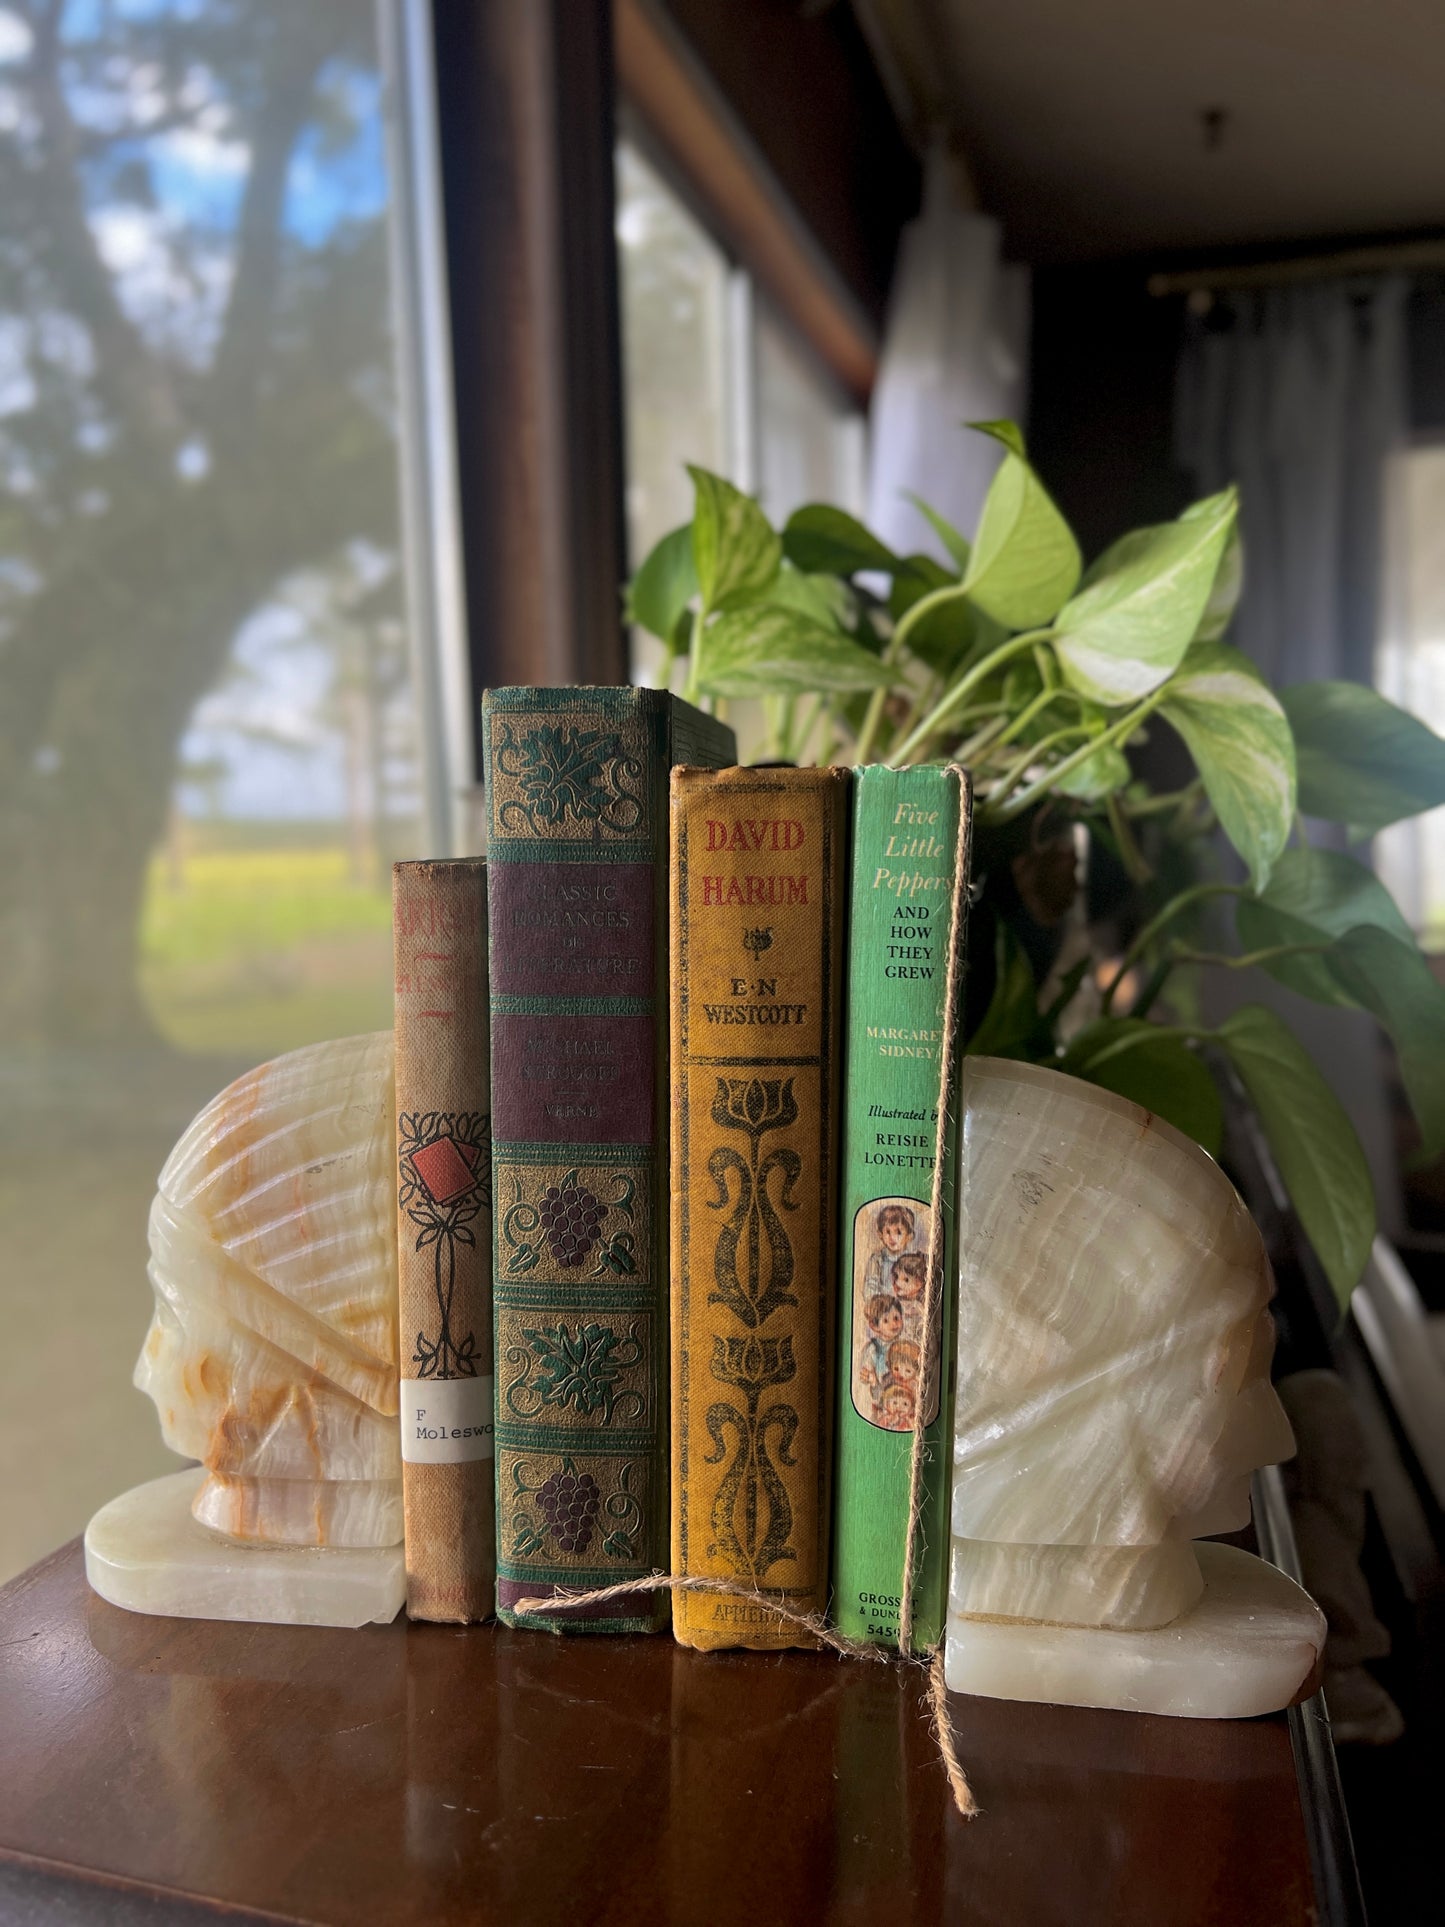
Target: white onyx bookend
{"x": 1129, "y": 1588}
{"x": 272, "y": 1352}
{"x": 1251, "y": 1645}
{"x": 145, "y": 1551}
{"x": 1113, "y": 1398}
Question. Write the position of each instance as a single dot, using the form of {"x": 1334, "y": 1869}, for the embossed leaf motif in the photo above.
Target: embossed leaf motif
{"x": 752, "y": 1514}
{"x": 562, "y": 772}
{"x": 753, "y": 1259}
{"x": 578, "y": 1368}
{"x": 756, "y": 1104}
{"x": 752, "y": 1364}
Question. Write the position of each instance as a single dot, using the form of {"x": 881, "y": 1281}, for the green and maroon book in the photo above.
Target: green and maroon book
{"x": 576, "y": 783}
{"x": 906, "y": 825}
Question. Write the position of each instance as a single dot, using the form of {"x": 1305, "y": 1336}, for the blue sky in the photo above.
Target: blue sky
{"x": 197, "y": 175}
{"x": 169, "y": 252}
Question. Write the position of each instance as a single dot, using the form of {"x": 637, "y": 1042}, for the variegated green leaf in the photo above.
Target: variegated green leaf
{"x": 1373, "y": 963}
{"x": 955, "y": 544}
{"x": 1362, "y": 760}
{"x": 1313, "y": 1141}
{"x": 665, "y": 584}
{"x": 1142, "y": 602}
{"x": 1025, "y": 562}
{"x": 1394, "y": 983}
{"x": 1228, "y": 586}
{"x": 1152, "y": 1067}
{"x": 825, "y": 599}
{"x": 766, "y": 650}
{"x": 735, "y": 549}
{"x": 821, "y": 539}
{"x": 1314, "y": 896}
{"x": 1242, "y": 747}
{"x": 1101, "y": 775}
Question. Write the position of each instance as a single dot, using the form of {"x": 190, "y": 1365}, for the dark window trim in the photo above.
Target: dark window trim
{"x": 690, "y": 132}
{"x": 525, "y": 96}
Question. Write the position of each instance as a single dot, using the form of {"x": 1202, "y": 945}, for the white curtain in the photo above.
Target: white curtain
{"x": 955, "y": 350}
{"x": 1300, "y": 395}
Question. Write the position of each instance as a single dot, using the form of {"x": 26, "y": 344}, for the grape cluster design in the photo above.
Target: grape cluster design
{"x": 571, "y": 1217}
{"x": 570, "y": 1502}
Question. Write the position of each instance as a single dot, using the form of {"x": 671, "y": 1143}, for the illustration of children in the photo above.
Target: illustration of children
{"x": 910, "y": 1281}
{"x": 895, "y": 1226}
{"x": 884, "y": 1317}
{"x": 905, "y": 1361}
{"x": 896, "y": 1412}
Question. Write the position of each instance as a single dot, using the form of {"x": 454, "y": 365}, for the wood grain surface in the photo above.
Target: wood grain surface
{"x": 175, "y": 1770}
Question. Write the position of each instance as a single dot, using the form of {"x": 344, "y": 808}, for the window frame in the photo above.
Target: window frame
{"x": 749, "y": 302}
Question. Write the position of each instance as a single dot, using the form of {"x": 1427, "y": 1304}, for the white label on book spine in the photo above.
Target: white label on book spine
{"x": 446, "y": 1421}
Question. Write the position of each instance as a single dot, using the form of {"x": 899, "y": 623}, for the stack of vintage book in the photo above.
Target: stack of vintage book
{"x": 668, "y": 1070}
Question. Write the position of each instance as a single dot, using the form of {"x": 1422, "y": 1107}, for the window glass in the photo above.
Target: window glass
{"x": 210, "y": 751}
{"x": 810, "y": 438}
{"x": 714, "y": 378}
{"x": 1410, "y": 670}
{"x": 677, "y": 359}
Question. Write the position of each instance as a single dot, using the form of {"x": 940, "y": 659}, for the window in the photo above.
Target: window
{"x": 713, "y": 377}
{"x": 677, "y": 346}
{"x": 810, "y": 439}
{"x": 1410, "y": 669}
{"x": 212, "y": 750}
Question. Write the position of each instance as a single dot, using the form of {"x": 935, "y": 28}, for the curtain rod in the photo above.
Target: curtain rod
{"x": 1306, "y": 267}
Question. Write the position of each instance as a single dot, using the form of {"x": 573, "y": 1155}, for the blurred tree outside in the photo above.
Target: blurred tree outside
{"x": 197, "y": 464}
{"x": 208, "y": 742}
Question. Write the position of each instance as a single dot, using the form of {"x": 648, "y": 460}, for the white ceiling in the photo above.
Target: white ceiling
{"x": 1081, "y": 119}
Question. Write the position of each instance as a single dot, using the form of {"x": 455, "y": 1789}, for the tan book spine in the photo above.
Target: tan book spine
{"x": 757, "y": 915}
{"x": 444, "y": 1226}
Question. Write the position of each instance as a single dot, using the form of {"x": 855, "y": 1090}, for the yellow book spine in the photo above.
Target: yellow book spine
{"x": 758, "y": 890}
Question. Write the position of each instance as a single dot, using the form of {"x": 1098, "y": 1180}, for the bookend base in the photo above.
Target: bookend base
{"x": 1250, "y": 1645}
{"x": 144, "y": 1552}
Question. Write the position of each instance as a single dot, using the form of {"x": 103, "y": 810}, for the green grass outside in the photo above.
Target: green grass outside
{"x": 256, "y": 951}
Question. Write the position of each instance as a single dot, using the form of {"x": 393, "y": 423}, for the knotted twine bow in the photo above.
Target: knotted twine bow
{"x": 929, "y": 1372}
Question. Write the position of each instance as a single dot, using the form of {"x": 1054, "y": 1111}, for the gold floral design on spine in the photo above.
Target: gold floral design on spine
{"x": 563, "y": 781}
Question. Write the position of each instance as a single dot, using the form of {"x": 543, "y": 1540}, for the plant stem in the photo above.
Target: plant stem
{"x": 788, "y": 719}
{"x": 669, "y": 660}
{"x": 1186, "y": 1033}
{"x": 952, "y": 699}
{"x": 1251, "y": 957}
{"x": 1170, "y": 800}
{"x": 902, "y": 630}
{"x": 1017, "y": 769}
{"x": 1040, "y": 702}
{"x": 927, "y": 692}
{"x": 805, "y": 727}
{"x": 1174, "y": 908}
{"x": 1119, "y": 733}
{"x": 980, "y": 740}
{"x": 1130, "y": 855}
{"x": 1068, "y": 990}
{"x": 994, "y": 717}
{"x": 1158, "y": 977}
{"x": 694, "y": 662}
{"x": 776, "y": 749}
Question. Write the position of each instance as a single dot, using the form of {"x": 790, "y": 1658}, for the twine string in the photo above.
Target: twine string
{"x": 930, "y": 1365}
{"x": 940, "y": 1718}
{"x": 813, "y": 1623}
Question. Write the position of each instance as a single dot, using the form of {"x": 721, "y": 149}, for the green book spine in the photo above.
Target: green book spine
{"x": 576, "y": 785}
{"x": 905, "y": 838}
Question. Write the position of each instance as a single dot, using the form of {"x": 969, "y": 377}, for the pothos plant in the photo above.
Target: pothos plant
{"x": 1048, "y": 679}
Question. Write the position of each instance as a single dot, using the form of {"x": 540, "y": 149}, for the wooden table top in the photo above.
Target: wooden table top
{"x": 428, "y": 1774}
